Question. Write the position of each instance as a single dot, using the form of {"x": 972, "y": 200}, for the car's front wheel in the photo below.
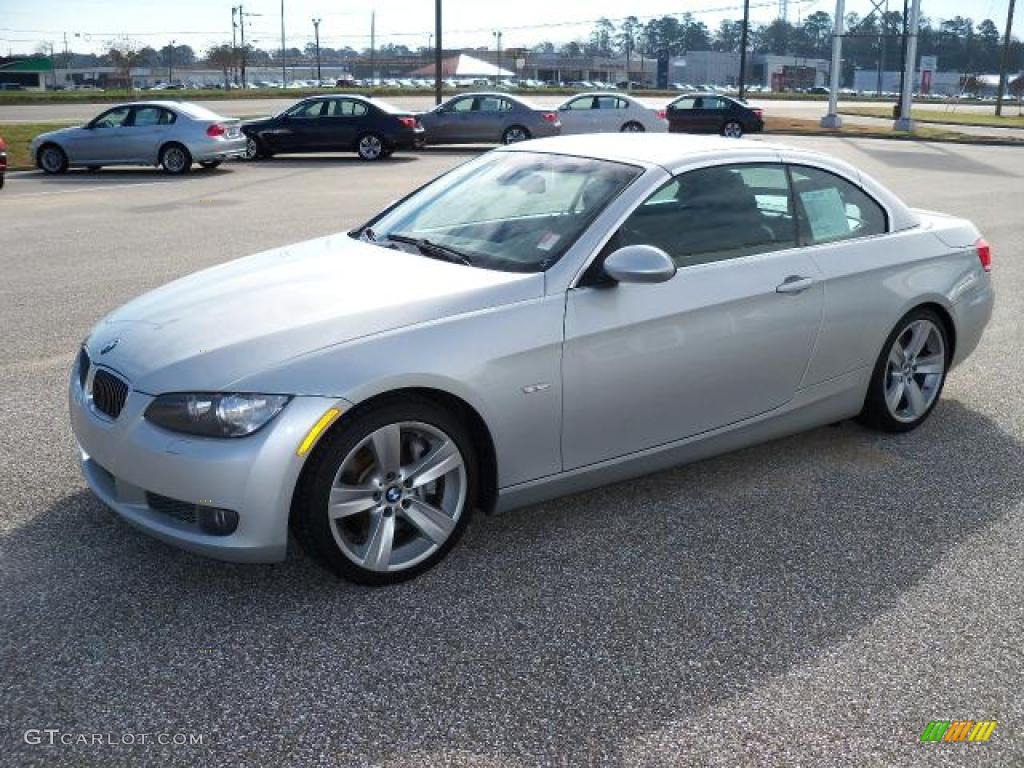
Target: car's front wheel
{"x": 52, "y": 159}
{"x": 254, "y": 149}
{"x": 388, "y": 492}
{"x": 733, "y": 129}
{"x": 909, "y": 374}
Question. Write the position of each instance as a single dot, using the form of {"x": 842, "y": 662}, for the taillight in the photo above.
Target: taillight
{"x": 662, "y": 114}
{"x": 550, "y": 117}
{"x": 984, "y": 254}
{"x": 408, "y": 122}
{"x": 759, "y": 112}
{"x": 215, "y": 130}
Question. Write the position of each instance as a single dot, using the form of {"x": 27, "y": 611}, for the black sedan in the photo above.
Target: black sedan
{"x": 369, "y": 127}
{"x": 713, "y": 113}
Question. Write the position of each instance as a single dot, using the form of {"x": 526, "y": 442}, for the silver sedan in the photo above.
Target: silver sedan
{"x": 489, "y": 118}
{"x": 171, "y": 134}
{"x": 609, "y": 113}
{"x": 545, "y": 318}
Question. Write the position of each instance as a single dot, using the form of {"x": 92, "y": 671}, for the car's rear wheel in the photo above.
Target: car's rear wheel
{"x": 52, "y": 159}
{"x": 388, "y": 493}
{"x": 732, "y": 129}
{"x": 909, "y": 374}
{"x": 632, "y": 127}
{"x": 370, "y": 147}
{"x": 514, "y": 134}
{"x": 175, "y": 159}
{"x": 210, "y": 163}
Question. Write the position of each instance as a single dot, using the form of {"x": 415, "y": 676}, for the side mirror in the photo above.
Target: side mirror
{"x": 639, "y": 264}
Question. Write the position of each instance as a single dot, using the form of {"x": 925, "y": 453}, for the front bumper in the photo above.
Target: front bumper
{"x": 125, "y": 459}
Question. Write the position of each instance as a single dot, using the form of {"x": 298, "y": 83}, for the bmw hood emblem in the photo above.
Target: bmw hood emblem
{"x": 109, "y": 346}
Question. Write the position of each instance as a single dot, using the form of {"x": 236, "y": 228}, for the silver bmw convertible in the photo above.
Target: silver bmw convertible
{"x": 548, "y": 317}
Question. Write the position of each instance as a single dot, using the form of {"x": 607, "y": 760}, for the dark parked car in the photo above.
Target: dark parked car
{"x": 713, "y": 113}
{"x": 370, "y": 127}
{"x": 490, "y": 118}
{"x": 3, "y": 160}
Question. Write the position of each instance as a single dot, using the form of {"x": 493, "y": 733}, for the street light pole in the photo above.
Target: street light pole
{"x": 284, "y": 56}
{"x": 437, "y": 52}
{"x": 234, "y": 45}
{"x": 1004, "y": 60}
{"x": 743, "y": 49}
{"x": 832, "y": 119}
{"x": 497, "y": 69}
{"x": 905, "y": 122}
{"x": 316, "y": 33}
{"x": 170, "y": 64}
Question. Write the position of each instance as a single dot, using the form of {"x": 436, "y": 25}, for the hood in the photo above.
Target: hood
{"x": 212, "y": 328}
{"x": 55, "y": 134}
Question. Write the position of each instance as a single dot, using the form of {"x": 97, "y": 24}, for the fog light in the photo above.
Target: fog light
{"x": 216, "y": 521}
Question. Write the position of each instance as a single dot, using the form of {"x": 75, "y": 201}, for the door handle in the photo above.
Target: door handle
{"x": 794, "y": 284}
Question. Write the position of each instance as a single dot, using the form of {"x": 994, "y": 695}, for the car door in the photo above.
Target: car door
{"x": 711, "y": 113}
{"x": 338, "y": 125}
{"x": 447, "y": 123}
{"x": 101, "y": 142}
{"x": 488, "y": 119}
{"x": 608, "y": 114}
{"x": 148, "y": 128}
{"x": 727, "y": 338}
{"x": 576, "y": 115}
{"x": 297, "y": 128}
{"x": 682, "y": 115}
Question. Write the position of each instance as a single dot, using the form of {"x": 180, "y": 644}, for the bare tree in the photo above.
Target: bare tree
{"x": 123, "y": 55}
{"x": 222, "y": 57}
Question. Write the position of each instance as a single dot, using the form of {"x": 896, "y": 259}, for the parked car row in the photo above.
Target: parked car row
{"x": 175, "y": 134}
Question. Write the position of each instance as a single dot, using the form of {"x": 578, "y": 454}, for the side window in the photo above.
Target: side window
{"x": 346, "y": 108}
{"x": 713, "y": 102}
{"x": 490, "y": 104}
{"x": 115, "y": 118}
{"x": 461, "y": 105}
{"x": 621, "y": 104}
{"x": 145, "y": 116}
{"x": 585, "y": 103}
{"x": 306, "y": 109}
{"x": 605, "y": 102}
{"x": 682, "y": 104}
{"x": 712, "y": 214}
{"x": 831, "y": 208}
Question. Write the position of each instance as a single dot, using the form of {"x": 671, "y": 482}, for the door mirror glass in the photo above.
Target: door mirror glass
{"x": 639, "y": 264}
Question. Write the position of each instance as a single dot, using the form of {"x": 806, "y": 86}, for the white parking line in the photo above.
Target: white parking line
{"x": 99, "y": 188}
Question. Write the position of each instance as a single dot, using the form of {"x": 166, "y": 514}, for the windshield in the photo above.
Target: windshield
{"x": 514, "y": 211}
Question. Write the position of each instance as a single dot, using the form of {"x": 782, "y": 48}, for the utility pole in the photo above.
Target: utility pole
{"x": 170, "y": 63}
{"x": 743, "y": 49}
{"x": 284, "y": 56}
{"x": 373, "y": 49}
{"x": 241, "y": 28}
{"x": 497, "y": 71}
{"x": 1004, "y": 61}
{"x": 832, "y": 119}
{"x": 437, "y": 52}
{"x": 905, "y": 122}
{"x": 316, "y": 33}
{"x": 234, "y": 44}
{"x": 903, "y": 55}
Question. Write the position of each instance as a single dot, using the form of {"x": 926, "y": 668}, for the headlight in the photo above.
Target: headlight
{"x": 215, "y": 414}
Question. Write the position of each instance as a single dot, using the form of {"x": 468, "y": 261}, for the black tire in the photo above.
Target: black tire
{"x": 309, "y": 519}
{"x": 876, "y": 414}
{"x": 210, "y": 164}
{"x": 1, "y": 181}
{"x": 632, "y": 127}
{"x": 255, "y": 149}
{"x": 52, "y": 159}
{"x": 371, "y": 147}
{"x": 175, "y": 159}
{"x": 514, "y": 134}
{"x": 732, "y": 129}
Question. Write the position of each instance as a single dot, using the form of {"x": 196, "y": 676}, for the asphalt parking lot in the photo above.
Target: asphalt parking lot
{"x": 811, "y": 602}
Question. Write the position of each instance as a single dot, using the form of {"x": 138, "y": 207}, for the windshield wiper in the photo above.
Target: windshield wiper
{"x": 432, "y": 249}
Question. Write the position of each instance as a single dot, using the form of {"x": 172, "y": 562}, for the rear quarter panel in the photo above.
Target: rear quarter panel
{"x": 870, "y": 283}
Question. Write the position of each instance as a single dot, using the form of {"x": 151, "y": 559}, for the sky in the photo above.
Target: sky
{"x": 90, "y": 24}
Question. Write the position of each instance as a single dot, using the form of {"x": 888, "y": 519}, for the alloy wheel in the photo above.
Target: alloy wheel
{"x": 175, "y": 160}
{"x": 516, "y": 134}
{"x": 252, "y": 151}
{"x": 732, "y": 130}
{"x": 914, "y": 370}
{"x": 52, "y": 160}
{"x": 370, "y": 147}
{"x": 397, "y": 496}
{"x": 632, "y": 128}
